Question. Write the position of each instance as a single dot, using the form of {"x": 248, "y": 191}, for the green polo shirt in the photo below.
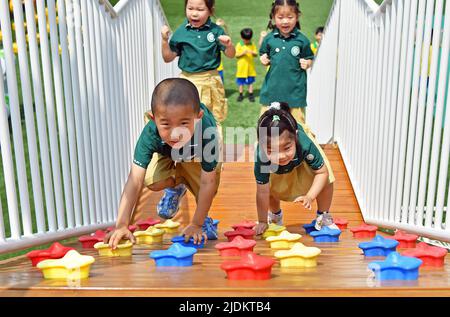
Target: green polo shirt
{"x": 198, "y": 48}
{"x": 203, "y": 145}
{"x": 306, "y": 151}
{"x": 285, "y": 81}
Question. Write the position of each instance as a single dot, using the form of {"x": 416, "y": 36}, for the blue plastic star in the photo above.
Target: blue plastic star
{"x": 326, "y": 235}
{"x": 379, "y": 246}
{"x": 310, "y": 227}
{"x": 176, "y": 255}
{"x": 190, "y": 243}
{"x": 396, "y": 267}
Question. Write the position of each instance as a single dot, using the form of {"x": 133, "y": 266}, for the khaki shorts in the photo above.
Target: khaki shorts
{"x": 188, "y": 173}
{"x": 211, "y": 91}
{"x": 288, "y": 187}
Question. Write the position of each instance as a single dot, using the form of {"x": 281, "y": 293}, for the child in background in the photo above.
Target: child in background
{"x": 318, "y": 39}
{"x": 288, "y": 52}
{"x": 198, "y": 43}
{"x": 290, "y": 166}
{"x": 245, "y": 53}
{"x": 164, "y": 158}
{"x": 221, "y": 23}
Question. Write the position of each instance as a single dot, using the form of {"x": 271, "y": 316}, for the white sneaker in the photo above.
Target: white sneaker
{"x": 275, "y": 218}
{"x": 325, "y": 220}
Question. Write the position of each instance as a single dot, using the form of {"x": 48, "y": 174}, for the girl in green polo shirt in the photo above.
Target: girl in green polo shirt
{"x": 198, "y": 43}
{"x": 290, "y": 166}
{"x": 288, "y": 52}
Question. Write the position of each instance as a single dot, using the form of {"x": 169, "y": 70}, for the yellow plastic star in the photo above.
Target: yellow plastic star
{"x": 124, "y": 248}
{"x": 149, "y": 236}
{"x": 273, "y": 230}
{"x": 73, "y": 266}
{"x": 298, "y": 256}
{"x": 285, "y": 240}
{"x": 168, "y": 226}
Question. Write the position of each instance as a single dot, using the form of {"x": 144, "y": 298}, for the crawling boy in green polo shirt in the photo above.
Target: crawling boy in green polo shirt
{"x": 179, "y": 145}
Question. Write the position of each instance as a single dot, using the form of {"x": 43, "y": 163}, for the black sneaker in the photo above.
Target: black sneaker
{"x": 251, "y": 98}
{"x": 240, "y": 98}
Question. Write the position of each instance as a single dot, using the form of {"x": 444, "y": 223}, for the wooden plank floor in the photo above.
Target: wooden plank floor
{"x": 342, "y": 270}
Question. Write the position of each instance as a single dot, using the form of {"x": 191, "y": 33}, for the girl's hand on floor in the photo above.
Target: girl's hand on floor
{"x": 260, "y": 228}
{"x": 195, "y": 232}
{"x": 113, "y": 238}
{"x": 305, "y": 63}
{"x": 165, "y": 33}
{"x": 264, "y": 60}
{"x": 225, "y": 40}
{"x": 305, "y": 200}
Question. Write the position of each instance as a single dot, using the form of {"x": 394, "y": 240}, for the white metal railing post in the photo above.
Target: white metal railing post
{"x": 5, "y": 25}
{"x": 29, "y": 118}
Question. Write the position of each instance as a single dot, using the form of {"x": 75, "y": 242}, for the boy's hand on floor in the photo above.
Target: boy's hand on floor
{"x": 225, "y": 40}
{"x": 264, "y": 60}
{"x": 165, "y": 33}
{"x": 260, "y": 228}
{"x": 305, "y": 200}
{"x": 194, "y": 231}
{"x": 113, "y": 238}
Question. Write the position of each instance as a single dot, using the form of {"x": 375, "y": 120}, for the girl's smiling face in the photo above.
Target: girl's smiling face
{"x": 285, "y": 19}
{"x": 281, "y": 150}
{"x": 197, "y": 12}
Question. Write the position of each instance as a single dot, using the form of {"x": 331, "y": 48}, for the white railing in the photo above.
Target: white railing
{"x": 387, "y": 98}
{"x": 86, "y": 73}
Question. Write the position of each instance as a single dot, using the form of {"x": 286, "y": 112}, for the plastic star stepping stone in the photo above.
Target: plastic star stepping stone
{"x": 246, "y": 224}
{"x": 273, "y": 230}
{"x": 430, "y": 255}
{"x": 145, "y": 223}
{"x": 405, "y": 239}
{"x": 56, "y": 251}
{"x": 125, "y": 248}
{"x": 89, "y": 241}
{"x": 249, "y": 267}
{"x": 73, "y": 266}
{"x": 285, "y": 240}
{"x": 298, "y": 256}
{"x": 364, "y": 231}
{"x": 379, "y": 246}
{"x": 326, "y": 235}
{"x": 169, "y": 226}
{"x": 176, "y": 255}
{"x": 238, "y": 247}
{"x": 341, "y": 223}
{"x": 190, "y": 243}
{"x": 244, "y": 233}
{"x": 396, "y": 267}
{"x": 149, "y": 236}
{"x": 310, "y": 227}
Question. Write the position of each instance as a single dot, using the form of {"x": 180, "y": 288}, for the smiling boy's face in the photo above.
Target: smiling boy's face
{"x": 176, "y": 123}
{"x": 197, "y": 12}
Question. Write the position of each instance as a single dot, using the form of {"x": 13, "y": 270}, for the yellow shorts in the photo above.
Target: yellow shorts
{"x": 288, "y": 187}
{"x": 188, "y": 173}
{"x": 211, "y": 91}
